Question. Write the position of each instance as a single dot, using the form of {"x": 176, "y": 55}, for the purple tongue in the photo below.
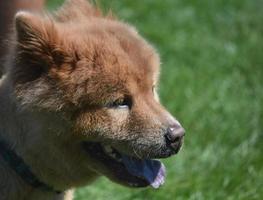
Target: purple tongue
{"x": 151, "y": 170}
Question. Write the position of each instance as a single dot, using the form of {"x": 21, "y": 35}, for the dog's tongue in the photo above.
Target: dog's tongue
{"x": 152, "y": 171}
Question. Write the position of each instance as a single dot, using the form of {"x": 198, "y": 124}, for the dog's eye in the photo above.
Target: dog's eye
{"x": 120, "y": 103}
{"x": 153, "y": 89}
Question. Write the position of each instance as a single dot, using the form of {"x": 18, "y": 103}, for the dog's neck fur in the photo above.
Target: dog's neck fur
{"x": 48, "y": 160}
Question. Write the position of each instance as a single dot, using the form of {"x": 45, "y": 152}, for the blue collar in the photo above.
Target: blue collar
{"x": 22, "y": 169}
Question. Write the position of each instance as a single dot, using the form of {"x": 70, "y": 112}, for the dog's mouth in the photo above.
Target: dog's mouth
{"x": 126, "y": 169}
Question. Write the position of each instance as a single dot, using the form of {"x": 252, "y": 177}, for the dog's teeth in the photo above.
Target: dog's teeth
{"x": 133, "y": 184}
{"x": 112, "y": 155}
{"x": 110, "y": 152}
{"x": 108, "y": 149}
{"x": 115, "y": 157}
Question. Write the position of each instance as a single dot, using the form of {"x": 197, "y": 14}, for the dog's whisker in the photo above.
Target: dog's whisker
{"x": 135, "y": 152}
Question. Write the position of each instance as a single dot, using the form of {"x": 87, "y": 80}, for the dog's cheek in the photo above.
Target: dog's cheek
{"x": 89, "y": 125}
{"x": 118, "y": 119}
{"x": 101, "y": 125}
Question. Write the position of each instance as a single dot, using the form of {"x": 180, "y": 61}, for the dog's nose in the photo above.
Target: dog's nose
{"x": 174, "y": 136}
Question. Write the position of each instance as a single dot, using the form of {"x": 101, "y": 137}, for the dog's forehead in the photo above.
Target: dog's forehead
{"x": 117, "y": 49}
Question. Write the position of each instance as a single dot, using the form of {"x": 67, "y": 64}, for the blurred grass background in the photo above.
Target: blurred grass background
{"x": 212, "y": 81}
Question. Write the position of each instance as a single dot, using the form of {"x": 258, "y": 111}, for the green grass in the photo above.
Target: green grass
{"x": 212, "y": 81}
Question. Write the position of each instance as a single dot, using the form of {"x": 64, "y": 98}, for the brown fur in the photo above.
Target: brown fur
{"x": 62, "y": 72}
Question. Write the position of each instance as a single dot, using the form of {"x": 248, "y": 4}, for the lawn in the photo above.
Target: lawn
{"x": 212, "y": 81}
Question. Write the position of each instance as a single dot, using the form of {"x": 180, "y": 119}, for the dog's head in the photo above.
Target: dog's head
{"x": 99, "y": 78}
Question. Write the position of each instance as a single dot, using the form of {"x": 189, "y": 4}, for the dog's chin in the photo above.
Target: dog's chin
{"x": 127, "y": 170}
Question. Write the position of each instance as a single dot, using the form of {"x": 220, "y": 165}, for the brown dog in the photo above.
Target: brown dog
{"x": 78, "y": 101}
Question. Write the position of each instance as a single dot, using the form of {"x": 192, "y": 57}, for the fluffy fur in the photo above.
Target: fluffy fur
{"x": 65, "y": 73}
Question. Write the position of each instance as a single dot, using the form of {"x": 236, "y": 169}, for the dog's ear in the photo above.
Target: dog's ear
{"x": 76, "y": 9}
{"x": 36, "y": 44}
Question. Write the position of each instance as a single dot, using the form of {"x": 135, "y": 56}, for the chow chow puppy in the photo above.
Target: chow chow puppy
{"x": 78, "y": 101}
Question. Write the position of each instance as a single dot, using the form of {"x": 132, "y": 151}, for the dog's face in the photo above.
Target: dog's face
{"x": 100, "y": 77}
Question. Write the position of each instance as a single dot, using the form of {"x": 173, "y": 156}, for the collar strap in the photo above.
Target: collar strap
{"x": 22, "y": 169}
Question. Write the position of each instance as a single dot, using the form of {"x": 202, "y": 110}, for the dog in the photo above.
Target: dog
{"x": 78, "y": 101}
